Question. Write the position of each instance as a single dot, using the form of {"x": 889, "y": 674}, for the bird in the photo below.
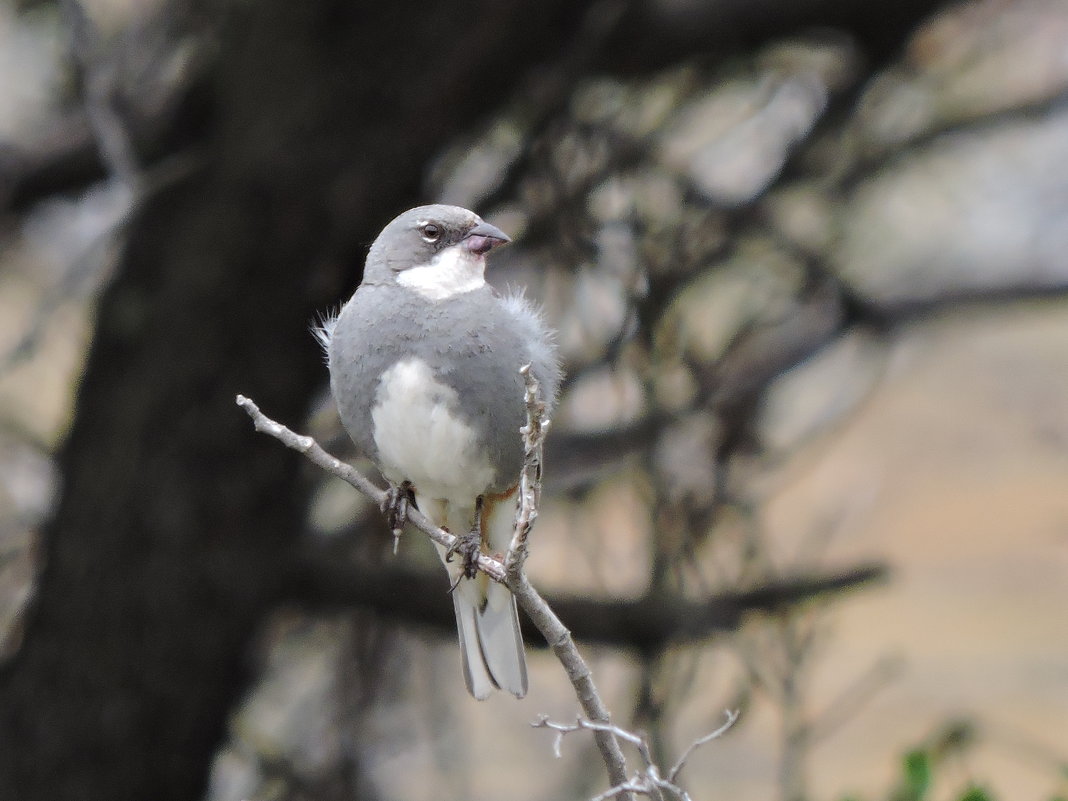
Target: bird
{"x": 424, "y": 362}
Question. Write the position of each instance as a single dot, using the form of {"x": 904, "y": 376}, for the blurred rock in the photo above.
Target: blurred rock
{"x": 975, "y": 212}
{"x": 635, "y": 110}
{"x": 31, "y": 52}
{"x": 28, "y": 481}
{"x": 805, "y": 216}
{"x": 971, "y": 60}
{"x": 758, "y": 284}
{"x": 468, "y": 171}
{"x": 601, "y": 400}
{"x": 684, "y": 460}
{"x": 733, "y": 141}
{"x": 815, "y": 396}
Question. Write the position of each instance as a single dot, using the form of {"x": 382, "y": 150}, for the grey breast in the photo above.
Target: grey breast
{"x": 473, "y": 342}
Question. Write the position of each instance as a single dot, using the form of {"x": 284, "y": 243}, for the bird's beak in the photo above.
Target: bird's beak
{"x": 485, "y": 237}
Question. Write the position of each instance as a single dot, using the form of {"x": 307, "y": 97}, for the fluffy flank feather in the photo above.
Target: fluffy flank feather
{"x": 541, "y": 337}
{"x": 323, "y": 330}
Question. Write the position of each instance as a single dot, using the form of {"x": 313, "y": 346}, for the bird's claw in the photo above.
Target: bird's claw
{"x": 469, "y": 547}
{"x": 395, "y": 508}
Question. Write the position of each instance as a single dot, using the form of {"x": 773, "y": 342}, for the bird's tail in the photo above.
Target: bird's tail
{"x": 491, "y": 643}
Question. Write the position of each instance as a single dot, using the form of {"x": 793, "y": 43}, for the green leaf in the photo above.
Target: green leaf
{"x": 917, "y": 774}
{"x": 976, "y": 794}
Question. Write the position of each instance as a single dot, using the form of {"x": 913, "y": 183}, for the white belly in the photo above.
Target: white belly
{"x": 420, "y": 439}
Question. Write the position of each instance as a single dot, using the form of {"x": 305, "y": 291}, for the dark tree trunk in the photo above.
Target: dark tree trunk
{"x": 176, "y": 521}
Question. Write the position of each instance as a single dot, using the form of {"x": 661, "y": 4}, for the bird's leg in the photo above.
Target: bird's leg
{"x": 469, "y": 546}
{"x": 395, "y": 508}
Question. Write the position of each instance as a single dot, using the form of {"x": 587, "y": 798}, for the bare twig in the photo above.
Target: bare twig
{"x": 861, "y": 691}
{"x": 530, "y": 478}
{"x": 314, "y": 452}
{"x": 648, "y": 782}
{"x": 620, "y": 789}
{"x": 561, "y": 729}
{"x": 559, "y": 639}
{"x": 539, "y": 612}
{"x": 732, "y": 716}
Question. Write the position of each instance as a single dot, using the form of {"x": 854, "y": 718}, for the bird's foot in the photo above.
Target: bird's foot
{"x": 395, "y": 508}
{"x": 469, "y": 547}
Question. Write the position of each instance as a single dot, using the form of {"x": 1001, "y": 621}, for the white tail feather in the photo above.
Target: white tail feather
{"x": 502, "y": 645}
{"x": 491, "y": 643}
{"x": 477, "y": 676}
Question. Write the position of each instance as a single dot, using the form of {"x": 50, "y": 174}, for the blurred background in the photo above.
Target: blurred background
{"x": 808, "y": 266}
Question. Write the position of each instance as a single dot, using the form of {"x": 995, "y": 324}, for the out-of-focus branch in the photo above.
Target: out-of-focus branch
{"x": 327, "y": 579}
{"x": 62, "y": 159}
{"x": 99, "y": 93}
{"x": 865, "y": 165}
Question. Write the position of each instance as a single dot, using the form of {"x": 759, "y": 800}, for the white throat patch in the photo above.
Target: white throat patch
{"x": 453, "y": 271}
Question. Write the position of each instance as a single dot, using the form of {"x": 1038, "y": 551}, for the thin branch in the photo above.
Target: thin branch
{"x": 562, "y": 644}
{"x": 646, "y": 783}
{"x": 539, "y": 612}
{"x": 314, "y": 453}
{"x": 543, "y": 722}
{"x": 649, "y": 782}
{"x": 732, "y": 716}
{"x": 854, "y": 697}
{"x": 530, "y": 478}
{"x": 618, "y": 790}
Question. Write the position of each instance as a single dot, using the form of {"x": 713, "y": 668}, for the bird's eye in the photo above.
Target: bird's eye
{"x": 431, "y": 232}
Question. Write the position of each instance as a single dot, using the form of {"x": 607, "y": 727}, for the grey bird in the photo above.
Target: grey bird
{"x": 424, "y": 367}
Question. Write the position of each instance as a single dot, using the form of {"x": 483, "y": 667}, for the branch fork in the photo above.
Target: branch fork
{"x": 648, "y": 782}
